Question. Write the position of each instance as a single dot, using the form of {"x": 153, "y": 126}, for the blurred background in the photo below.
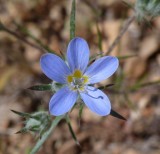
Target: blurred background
{"x": 136, "y": 90}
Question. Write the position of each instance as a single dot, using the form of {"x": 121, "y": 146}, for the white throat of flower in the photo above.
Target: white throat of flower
{"x": 77, "y": 81}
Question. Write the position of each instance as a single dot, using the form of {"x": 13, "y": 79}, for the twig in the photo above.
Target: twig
{"x": 116, "y": 41}
{"x": 22, "y": 39}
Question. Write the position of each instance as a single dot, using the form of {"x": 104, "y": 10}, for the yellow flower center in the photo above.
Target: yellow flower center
{"x": 77, "y": 81}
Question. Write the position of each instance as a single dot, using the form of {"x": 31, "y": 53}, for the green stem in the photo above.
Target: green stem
{"x": 73, "y": 20}
{"x": 47, "y": 134}
{"x": 71, "y": 130}
{"x": 99, "y": 39}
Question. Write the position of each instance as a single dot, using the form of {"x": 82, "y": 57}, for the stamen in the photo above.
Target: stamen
{"x": 77, "y": 81}
{"x": 85, "y": 79}
{"x": 77, "y": 74}
{"x": 70, "y": 78}
{"x": 99, "y": 97}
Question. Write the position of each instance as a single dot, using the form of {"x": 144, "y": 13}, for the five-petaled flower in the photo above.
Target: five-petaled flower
{"x": 77, "y": 79}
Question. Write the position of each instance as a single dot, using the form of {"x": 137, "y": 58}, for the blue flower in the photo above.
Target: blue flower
{"x": 77, "y": 79}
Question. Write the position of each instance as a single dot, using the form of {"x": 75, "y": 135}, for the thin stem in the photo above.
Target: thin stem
{"x": 22, "y": 38}
{"x": 99, "y": 39}
{"x": 73, "y": 20}
{"x": 116, "y": 41}
{"x": 47, "y": 134}
{"x": 71, "y": 130}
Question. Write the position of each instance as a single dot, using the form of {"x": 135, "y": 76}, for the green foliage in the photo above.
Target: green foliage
{"x": 46, "y": 134}
{"x": 73, "y": 20}
{"x": 147, "y": 8}
{"x": 43, "y": 87}
{"x": 37, "y": 122}
{"x": 81, "y": 110}
{"x": 71, "y": 130}
{"x": 22, "y": 114}
{"x": 47, "y": 87}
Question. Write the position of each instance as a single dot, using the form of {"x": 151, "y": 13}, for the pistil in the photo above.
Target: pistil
{"x": 77, "y": 81}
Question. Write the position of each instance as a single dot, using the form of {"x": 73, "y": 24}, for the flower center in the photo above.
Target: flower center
{"x": 77, "y": 81}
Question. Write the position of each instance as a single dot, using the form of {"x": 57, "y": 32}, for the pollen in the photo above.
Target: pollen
{"x": 70, "y": 78}
{"x": 77, "y": 74}
{"x": 77, "y": 81}
{"x": 85, "y": 78}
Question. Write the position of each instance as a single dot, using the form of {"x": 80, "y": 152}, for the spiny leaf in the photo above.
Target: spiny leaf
{"x": 43, "y": 130}
{"x": 104, "y": 87}
{"x": 117, "y": 115}
{"x": 73, "y": 20}
{"x": 44, "y": 87}
{"x": 23, "y": 130}
{"x": 34, "y": 128}
{"x": 22, "y": 114}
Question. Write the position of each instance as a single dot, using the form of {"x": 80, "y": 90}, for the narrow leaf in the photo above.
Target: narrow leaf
{"x": 44, "y": 87}
{"x": 73, "y": 20}
{"x": 117, "y": 115}
{"x": 23, "y": 130}
{"x": 99, "y": 39}
{"x": 104, "y": 87}
{"x": 22, "y": 114}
